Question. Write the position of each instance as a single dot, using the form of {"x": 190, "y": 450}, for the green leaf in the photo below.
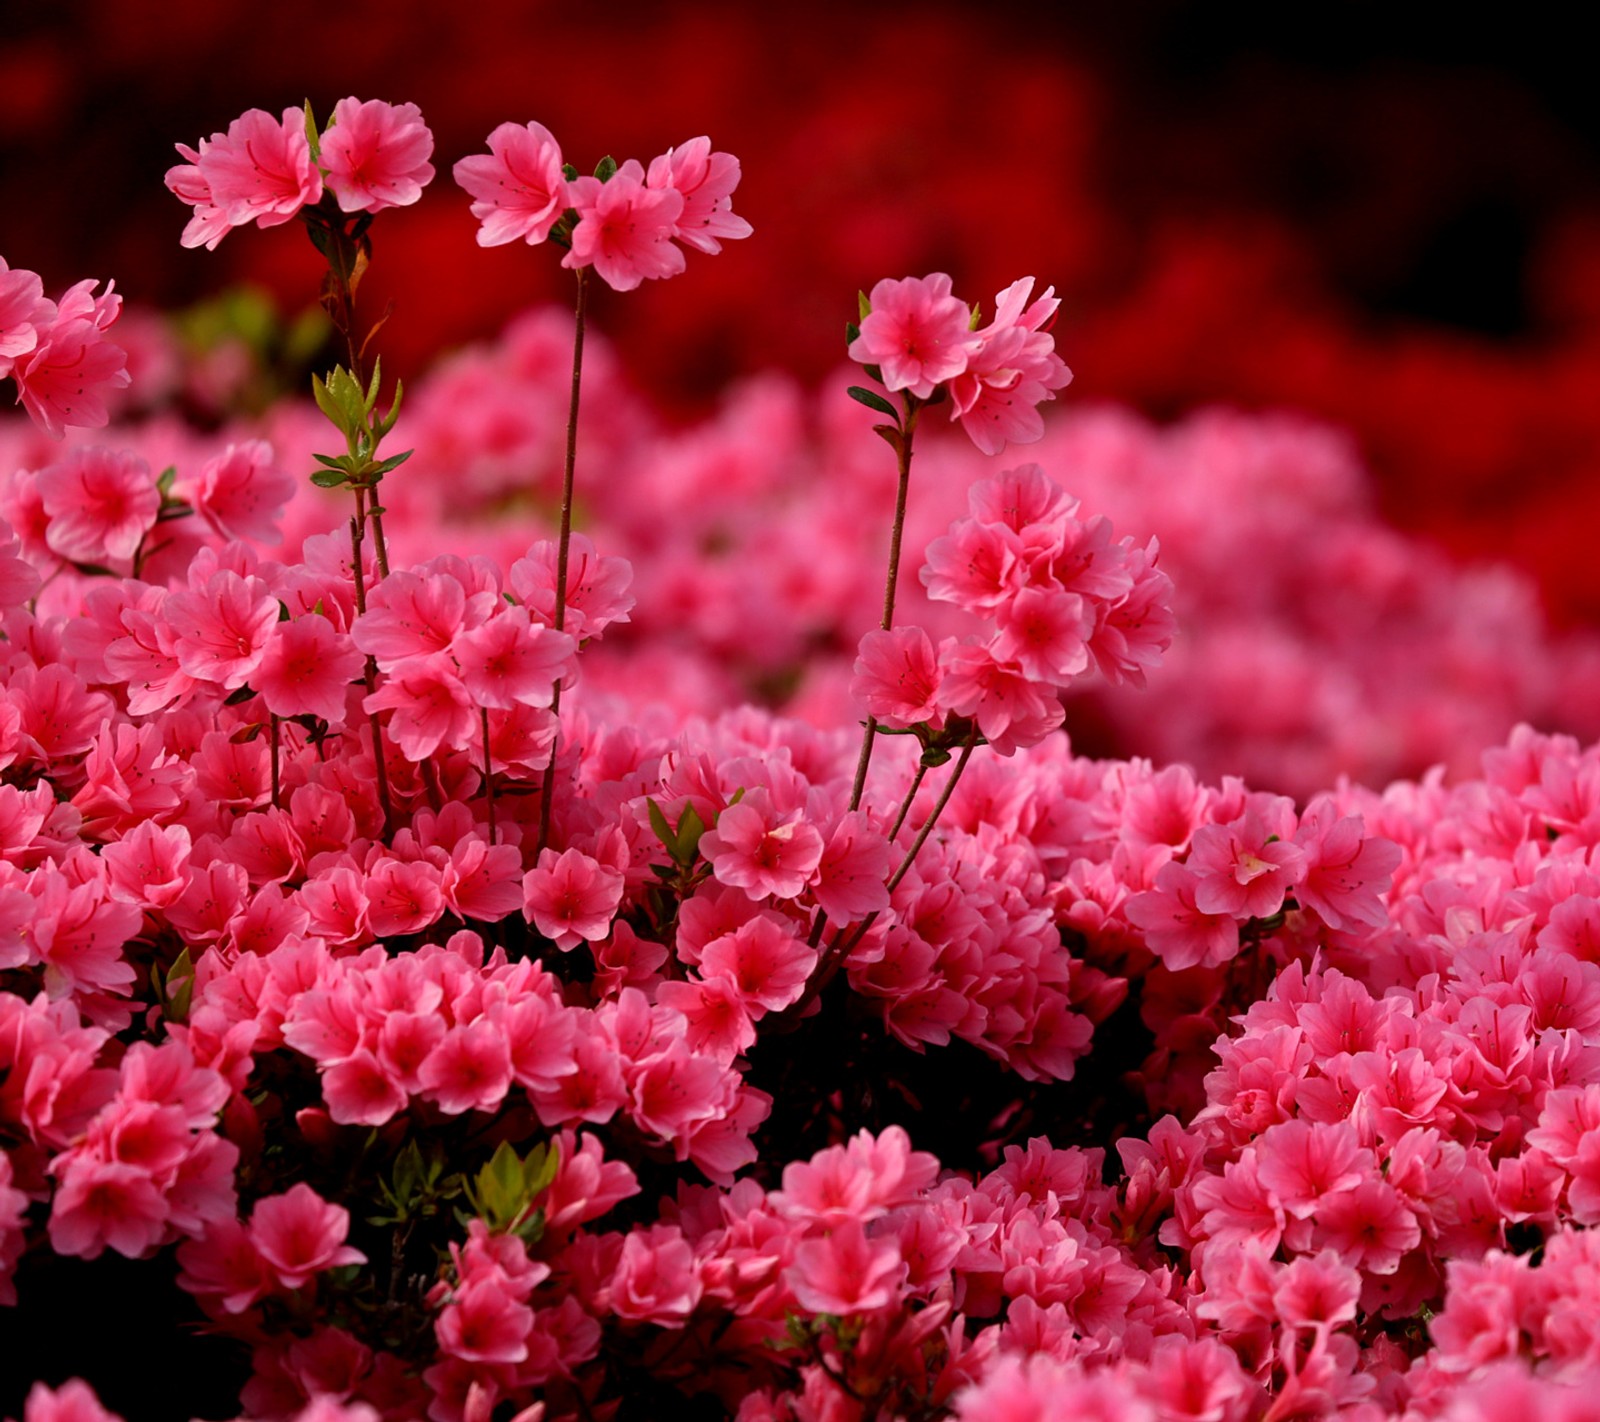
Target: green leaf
{"x": 690, "y": 828}
{"x": 658, "y": 822}
{"x": 891, "y": 433}
{"x": 94, "y": 570}
{"x": 373, "y": 384}
{"x": 852, "y": 333}
{"x": 539, "y": 1169}
{"x": 330, "y": 478}
{"x": 873, "y": 402}
{"x": 164, "y": 483}
{"x": 284, "y": 615}
{"x": 387, "y": 422}
{"x": 394, "y": 461}
{"x": 243, "y": 694}
{"x": 605, "y": 168}
{"x": 863, "y": 306}
{"x": 324, "y": 397}
{"x": 334, "y": 461}
{"x": 311, "y": 133}
{"x": 569, "y": 172}
{"x": 179, "y": 997}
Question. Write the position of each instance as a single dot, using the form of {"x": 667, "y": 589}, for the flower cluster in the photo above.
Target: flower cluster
{"x": 919, "y": 338}
{"x": 1061, "y": 596}
{"x": 265, "y": 170}
{"x": 626, "y": 221}
{"x": 57, "y": 353}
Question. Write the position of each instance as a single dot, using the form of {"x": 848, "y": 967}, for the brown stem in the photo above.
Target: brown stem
{"x": 905, "y": 804}
{"x": 903, "y": 454}
{"x": 272, "y": 731}
{"x": 345, "y": 319}
{"x": 845, "y": 941}
{"x": 381, "y": 771}
{"x": 488, "y": 771}
{"x": 563, "y": 543}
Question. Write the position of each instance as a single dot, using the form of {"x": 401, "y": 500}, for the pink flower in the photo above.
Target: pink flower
{"x": 846, "y": 1273}
{"x": 1014, "y": 370}
{"x": 430, "y": 704}
{"x": 511, "y": 661}
{"x": 23, "y": 311}
{"x": 105, "y": 1202}
{"x": 222, "y": 629}
{"x": 519, "y": 185}
{"x": 65, "y": 378}
{"x": 706, "y": 180}
{"x": 1346, "y": 870}
{"x": 469, "y": 1070}
{"x": 655, "y": 1279}
{"x": 101, "y": 504}
{"x": 1176, "y": 930}
{"x": 260, "y": 171}
{"x": 766, "y": 964}
{"x": 241, "y": 494}
{"x": 299, "y": 1234}
{"x": 916, "y": 333}
{"x": 73, "y": 1401}
{"x": 854, "y": 870}
{"x": 897, "y": 677}
{"x": 1245, "y": 868}
{"x": 597, "y": 586}
{"x": 483, "y": 1323}
{"x": 756, "y": 849}
{"x": 571, "y": 898}
{"x": 376, "y": 155}
{"x": 1011, "y": 710}
{"x": 306, "y": 669}
{"x": 625, "y": 229}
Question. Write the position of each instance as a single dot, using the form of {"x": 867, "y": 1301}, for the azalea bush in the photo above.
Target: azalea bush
{"x": 425, "y": 940}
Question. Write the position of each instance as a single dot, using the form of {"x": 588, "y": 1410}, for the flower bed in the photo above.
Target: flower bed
{"x": 434, "y": 961}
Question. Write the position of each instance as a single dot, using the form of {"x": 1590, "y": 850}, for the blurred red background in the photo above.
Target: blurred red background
{"x": 1393, "y": 224}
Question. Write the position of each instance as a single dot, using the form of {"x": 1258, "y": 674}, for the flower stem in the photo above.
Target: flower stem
{"x": 563, "y": 543}
{"x": 276, "y": 782}
{"x": 891, "y": 582}
{"x": 380, "y": 771}
{"x": 845, "y": 940}
{"x": 488, "y": 770}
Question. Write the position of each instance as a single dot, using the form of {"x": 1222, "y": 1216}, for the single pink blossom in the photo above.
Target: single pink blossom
{"x": 845, "y": 1273}
{"x": 916, "y": 333}
{"x": 240, "y": 493}
{"x": 897, "y": 677}
{"x": 518, "y": 185}
{"x": 756, "y": 849}
{"x": 260, "y": 171}
{"x": 625, "y": 229}
{"x": 299, "y": 1234}
{"x": 706, "y": 180}
{"x": 23, "y": 311}
{"x": 376, "y": 154}
{"x": 101, "y": 504}
{"x": 571, "y": 897}
{"x": 306, "y": 669}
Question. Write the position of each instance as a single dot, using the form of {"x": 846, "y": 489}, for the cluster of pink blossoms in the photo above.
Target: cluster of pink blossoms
{"x": 625, "y": 221}
{"x": 1061, "y": 595}
{"x": 266, "y": 170}
{"x": 921, "y": 338}
{"x": 57, "y": 353}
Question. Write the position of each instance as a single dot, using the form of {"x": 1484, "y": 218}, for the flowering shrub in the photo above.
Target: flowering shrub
{"x": 464, "y": 1050}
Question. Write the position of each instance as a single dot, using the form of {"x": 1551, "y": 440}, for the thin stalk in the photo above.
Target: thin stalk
{"x": 891, "y": 582}
{"x": 345, "y": 319}
{"x": 905, "y": 804}
{"x": 381, "y": 771}
{"x": 563, "y": 543}
{"x": 272, "y": 732}
{"x": 488, "y": 772}
{"x": 844, "y": 941}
